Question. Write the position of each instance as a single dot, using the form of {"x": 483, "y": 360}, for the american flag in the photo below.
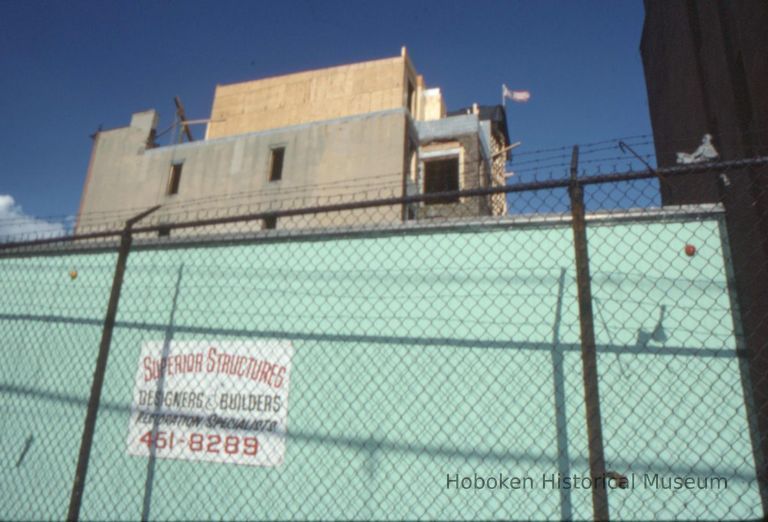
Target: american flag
{"x": 518, "y": 96}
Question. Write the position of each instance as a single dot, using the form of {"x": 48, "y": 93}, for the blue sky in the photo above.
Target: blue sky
{"x": 68, "y": 67}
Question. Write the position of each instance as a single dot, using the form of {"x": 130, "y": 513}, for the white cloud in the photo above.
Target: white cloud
{"x": 15, "y": 225}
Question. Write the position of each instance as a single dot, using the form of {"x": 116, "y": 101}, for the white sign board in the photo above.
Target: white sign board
{"x": 221, "y": 401}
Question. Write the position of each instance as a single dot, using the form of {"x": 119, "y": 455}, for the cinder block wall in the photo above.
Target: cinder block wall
{"x": 311, "y": 96}
{"x": 359, "y": 157}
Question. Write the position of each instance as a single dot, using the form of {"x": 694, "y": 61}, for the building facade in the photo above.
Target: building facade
{"x": 359, "y": 131}
{"x": 706, "y": 70}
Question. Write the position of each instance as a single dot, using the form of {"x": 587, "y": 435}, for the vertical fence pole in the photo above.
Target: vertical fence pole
{"x": 86, "y": 441}
{"x": 588, "y": 352}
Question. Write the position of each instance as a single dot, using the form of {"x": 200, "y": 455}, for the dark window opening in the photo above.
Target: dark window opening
{"x": 411, "y": 104}
{"x": 441, "y": 176}
{"x": 164, "y": 232}
{"x": 269, "y": 223}
{"x": 175, "y": 179}
{"x": 276, "y": 164}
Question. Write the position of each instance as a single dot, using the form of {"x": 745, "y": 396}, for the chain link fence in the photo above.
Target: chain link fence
{"x": 587, "y": 355}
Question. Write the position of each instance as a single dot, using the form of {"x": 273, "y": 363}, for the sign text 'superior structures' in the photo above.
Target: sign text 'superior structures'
{"x": 221, "y": 402}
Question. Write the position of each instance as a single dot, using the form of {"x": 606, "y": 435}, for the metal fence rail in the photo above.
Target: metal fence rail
{"x": 597, "y": 359}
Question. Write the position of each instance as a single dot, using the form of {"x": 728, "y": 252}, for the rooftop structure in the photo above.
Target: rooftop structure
{"x": 351, "y": 132}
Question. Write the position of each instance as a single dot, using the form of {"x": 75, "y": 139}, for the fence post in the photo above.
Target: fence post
{"x": 588, "y": 352}
{"x": 86, "y": 441}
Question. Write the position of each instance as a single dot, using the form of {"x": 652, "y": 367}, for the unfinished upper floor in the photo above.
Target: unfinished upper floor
{"x": 323, "y": 94}
{"x": 360, "y": 131}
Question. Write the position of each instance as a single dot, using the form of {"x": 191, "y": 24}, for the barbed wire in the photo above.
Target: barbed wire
{"x": 412, "y": 351}
{"x": 595, "y": 158}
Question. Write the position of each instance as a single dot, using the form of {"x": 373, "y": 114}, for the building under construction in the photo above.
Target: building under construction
{"x": 352, "y": 132}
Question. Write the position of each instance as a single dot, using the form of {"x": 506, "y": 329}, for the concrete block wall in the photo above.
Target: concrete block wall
{"x": 433, "y": 105}
{"x": 346, "y": 131}
{"x": 310, "y": 96}
{"x": 348, "y": 158}
{"x": 474, "y": 166}
{"x": 498, "y": 202}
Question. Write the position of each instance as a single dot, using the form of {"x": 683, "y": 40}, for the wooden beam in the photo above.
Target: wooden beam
{"x": 182, "y": 118}
{"x": 507, "y": 149}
